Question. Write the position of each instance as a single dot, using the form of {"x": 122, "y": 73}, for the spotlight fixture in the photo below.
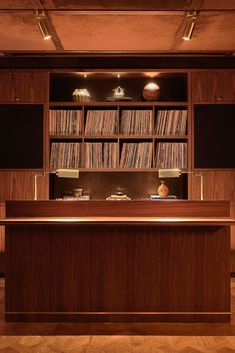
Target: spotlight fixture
{"x": 189, "y": 27}
{"x": 42, "y": 24}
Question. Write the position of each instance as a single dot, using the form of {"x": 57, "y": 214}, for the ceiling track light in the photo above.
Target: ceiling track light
{"x": 189, "y": 27}
{"x": 42, "y": 24}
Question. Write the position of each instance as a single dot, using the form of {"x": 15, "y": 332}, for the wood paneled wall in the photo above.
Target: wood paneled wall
{"x": 18, "y": 186}
{"x": 218, "y": 185}
{"x": 22, "y": 86}
{"x": 2, "y": 241}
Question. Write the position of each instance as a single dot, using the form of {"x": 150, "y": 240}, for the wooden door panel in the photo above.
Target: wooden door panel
{"x": 22, "y": 87}
{"x": 213, "y": 86}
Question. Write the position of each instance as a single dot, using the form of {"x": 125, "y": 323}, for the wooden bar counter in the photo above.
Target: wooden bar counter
{"x": 163, "y": 261}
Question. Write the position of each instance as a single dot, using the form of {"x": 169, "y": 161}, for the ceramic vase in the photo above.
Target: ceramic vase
{"x": 163, "y": 190}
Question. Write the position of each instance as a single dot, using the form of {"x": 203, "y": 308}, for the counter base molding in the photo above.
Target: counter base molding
{"x": 117, "y": 272}
{"x": 119, "y": 317}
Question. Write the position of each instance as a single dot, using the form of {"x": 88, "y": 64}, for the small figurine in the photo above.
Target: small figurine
{"x": 118, "y": 92}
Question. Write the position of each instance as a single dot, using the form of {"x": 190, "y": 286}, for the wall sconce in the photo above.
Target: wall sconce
{"x": 42, "y": 24}
{"x": 176, "y": 172}
{"x": 61, "y": 173}
{"x": 189, "y": 27}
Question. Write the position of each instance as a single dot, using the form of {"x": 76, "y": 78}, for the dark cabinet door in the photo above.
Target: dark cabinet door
{"x": 213, "y": 86}
{"x": 22, "y": 86}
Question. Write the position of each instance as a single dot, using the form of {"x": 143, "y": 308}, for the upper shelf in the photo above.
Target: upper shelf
{"x": 117, "y": 104}
{"x": 173, "y": 86}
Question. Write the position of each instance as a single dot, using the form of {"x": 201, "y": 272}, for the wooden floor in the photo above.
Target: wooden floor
{"x": 116, "y": 338}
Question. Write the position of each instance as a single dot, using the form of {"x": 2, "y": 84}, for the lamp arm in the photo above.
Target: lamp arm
{"x": 35, "y": 183}
{"x": 201, "y": 185}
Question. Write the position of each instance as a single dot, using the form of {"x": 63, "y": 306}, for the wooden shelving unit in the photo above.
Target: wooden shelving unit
{"x": 194, "y": 90}
{"x": 101, "y": 86}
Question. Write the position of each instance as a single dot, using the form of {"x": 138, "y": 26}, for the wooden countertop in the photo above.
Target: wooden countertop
{"x": 121, "y": 220}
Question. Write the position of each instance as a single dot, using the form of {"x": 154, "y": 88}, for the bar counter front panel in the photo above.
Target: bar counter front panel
{"x": 118, "y": 270}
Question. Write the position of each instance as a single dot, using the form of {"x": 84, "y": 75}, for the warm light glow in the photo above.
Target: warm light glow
{"x": 85, "y": 75}
{"x": 189, "y": 30}
{"x": 152, "y": 86}
{"x": 67, "y": 173}
{"x": 118, "y": 75}
{"x": 43, "y": 29}
{"x": 169, "y": 173}
{"x": 151, "y": 74}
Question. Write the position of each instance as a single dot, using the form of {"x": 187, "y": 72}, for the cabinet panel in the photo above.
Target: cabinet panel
{"x": 214, "y": 127}
{"x": 213, "y": 86}
{"x": 218, "y": 185}
{"x": 21, "y": 136}
{"x": 2, "y": 240}
{"x": 22, "y": 87}
{"x": 20, "y": 186}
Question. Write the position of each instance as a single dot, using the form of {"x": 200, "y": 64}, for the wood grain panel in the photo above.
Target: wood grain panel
{"x": 22, "y": 86}
{"x": 16, "y": 185}
{"x": 124, "y": 342}
{"x": 218, "y": 185}
{"x": 163, "y": 208}
{"x": 97, "y": 5}
{"x": 213, "y": 86}
{"x": 2, "y": 241}
{"x": 132, "y": 331}
{"x": 121, "y": 269}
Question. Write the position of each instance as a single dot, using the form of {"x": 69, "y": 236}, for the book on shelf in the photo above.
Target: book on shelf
{"x": 101, "y": 154}
{"x": 65, "y": 155}
{"x": 157, "y": 197}
{"x": 65, "y": 122}
{"x": 76, "y": 198}
{"x": 171, "y": 122}
{"x": 121, "y": 99}
{"x": 171, "y": 155}
{"x": 118, "y": 196}
{"x": 136, "y": 122}
{"x": 101, "y": 122}
{"x": 136, "y": 155}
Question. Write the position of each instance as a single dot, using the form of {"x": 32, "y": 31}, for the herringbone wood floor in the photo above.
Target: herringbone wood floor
{"x": 116, "y": 338}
